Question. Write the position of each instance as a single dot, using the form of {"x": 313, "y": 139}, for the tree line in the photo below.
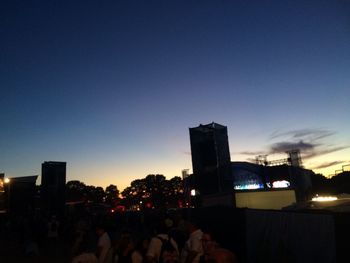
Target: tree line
{"x": 338, "y": 184}
{"x": 153, "y": 191}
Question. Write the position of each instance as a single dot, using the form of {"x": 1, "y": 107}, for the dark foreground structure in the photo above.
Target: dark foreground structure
{"x": 227, "y": 192}
{"x": 2, "y": 193}
{"x": 265, "y": 185}
{"x": 280, "y": 236}
{"x": 253, "y": 235}
{"x": 53, "y": 185}
{"x": 21, "y": 195}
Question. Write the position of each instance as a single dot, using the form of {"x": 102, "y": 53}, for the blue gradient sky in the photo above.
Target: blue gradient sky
{"x": 112, "y": 88}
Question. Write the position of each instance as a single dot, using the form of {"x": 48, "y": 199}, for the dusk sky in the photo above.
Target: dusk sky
{"x": 111, "y": 87}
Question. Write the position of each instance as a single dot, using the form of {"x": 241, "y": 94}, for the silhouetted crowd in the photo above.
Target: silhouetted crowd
{"x": 129, "y": 237}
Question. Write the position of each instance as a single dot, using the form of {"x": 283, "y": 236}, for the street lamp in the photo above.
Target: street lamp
{"x": 7, "y": 182}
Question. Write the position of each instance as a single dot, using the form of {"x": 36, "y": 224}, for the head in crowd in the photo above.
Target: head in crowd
{"x": 164, "y": 226}
{"x": 142, "y": 245}
{"x": 100, "y": 229}
{"x": 209, "y": 242}
{"x": 125, "y": 244}
{"x": 191, "y": 226}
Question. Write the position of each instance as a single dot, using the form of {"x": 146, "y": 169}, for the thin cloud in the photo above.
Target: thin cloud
{"x": 319, "y": 152}
{"x": 323, "y": 135}
{"x": 252, "y": 153}
{"x": 346, "y": 167}
{"x": 303, "y": 134}
{"x": 327, "y": 164}
{"x": 288, "y": 146}
{"x": 310, "y": 142}
{"x": 276, "y": 134}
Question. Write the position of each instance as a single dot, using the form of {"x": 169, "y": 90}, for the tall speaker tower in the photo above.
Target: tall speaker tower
{"x": 53, "y": 187}
{"x": 211, "y": 159}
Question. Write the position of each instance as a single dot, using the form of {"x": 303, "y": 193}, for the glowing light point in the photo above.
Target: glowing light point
{"x": 324, "y": 198}
{"x": 281, "y": 184}
{"x": 248, "y": 187}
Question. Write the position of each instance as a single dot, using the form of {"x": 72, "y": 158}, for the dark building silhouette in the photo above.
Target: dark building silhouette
{"x": 2, "y": 193}
{"x": 211, "y": 159}
{"x": 53, "y": 184}
{"x": 21, "y": 195}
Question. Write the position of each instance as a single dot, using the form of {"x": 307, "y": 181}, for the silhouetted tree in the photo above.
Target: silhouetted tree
{"x": 112, "y": 195}
{"x": 94, "y": 194}
{"x": 176, "y": 191}
{"x": 341, "y": 183}
{"x": 153, "y": 191}
{"x": 336, "y": 185}
{"x": 157, "y": 188}
{"x": 136, "y": 192}
{"x": 75, "y": 191}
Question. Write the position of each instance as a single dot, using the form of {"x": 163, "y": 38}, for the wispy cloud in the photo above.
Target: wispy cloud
{"x": 312, "y": 142}
{"x": 285, "y": 146}
{"x": 254, "y": 153}
{"x": 322, "y": 151}
{"x": 303, "y": 134}
{"x": 326, "y": 164}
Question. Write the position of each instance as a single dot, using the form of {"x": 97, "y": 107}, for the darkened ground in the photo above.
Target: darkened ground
{"x": 14, "y": 247}
{"x": 17, "y": 233}
{"x": 13, "y": 251}
{"x": 253, "y": 235}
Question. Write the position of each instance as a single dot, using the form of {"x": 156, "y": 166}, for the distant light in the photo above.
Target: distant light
{"x": 324, "y": 198}
{"x": 7, "y": 180}
{"x": 248, "y": 187}
{"x": 281, "y": 184}
{"x": 193, "y": 192}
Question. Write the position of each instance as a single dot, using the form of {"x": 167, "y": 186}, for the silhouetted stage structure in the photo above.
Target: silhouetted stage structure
{"x": 265, "y": 185}
{"x": 265, "y": 207}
